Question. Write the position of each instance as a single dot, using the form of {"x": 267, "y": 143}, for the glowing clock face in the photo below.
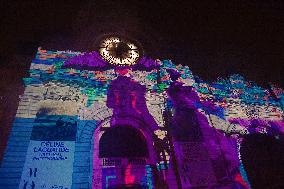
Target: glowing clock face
{"x": 119, "y": 52}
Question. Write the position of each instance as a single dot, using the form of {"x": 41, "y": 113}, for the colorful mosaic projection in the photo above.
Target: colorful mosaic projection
{"x": 87, "y": 117}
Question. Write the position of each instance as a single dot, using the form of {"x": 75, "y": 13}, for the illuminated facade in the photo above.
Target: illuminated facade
{"x": 84, "y": 122}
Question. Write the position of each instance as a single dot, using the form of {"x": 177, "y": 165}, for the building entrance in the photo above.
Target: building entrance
{"x": 123, "y": 157}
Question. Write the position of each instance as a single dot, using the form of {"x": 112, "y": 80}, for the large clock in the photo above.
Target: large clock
{"x": 119, "y": 51}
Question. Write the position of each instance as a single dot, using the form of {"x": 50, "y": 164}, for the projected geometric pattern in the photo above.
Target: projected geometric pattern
{"x": 83, "y": 122}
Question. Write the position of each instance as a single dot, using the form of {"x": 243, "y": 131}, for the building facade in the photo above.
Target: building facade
{"x": 87, "y": 120}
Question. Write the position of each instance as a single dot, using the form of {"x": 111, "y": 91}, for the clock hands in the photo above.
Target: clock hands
{"x": 134, "y": 49}
{"x": 119, "y": 51}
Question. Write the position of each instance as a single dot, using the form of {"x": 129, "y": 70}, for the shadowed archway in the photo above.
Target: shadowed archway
{"x": 262, "y": 157}
{"x": 123, "y": 141}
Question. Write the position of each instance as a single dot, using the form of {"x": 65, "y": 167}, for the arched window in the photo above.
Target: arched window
{"x": 262, "y": 157}
{"x": 123, "y": 141}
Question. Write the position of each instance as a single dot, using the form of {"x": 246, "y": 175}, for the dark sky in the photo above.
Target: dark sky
{"x": 213, "y": 39}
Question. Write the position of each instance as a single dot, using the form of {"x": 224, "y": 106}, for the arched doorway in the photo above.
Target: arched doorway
{"x": 262, "y": 157}
{"x": 123, "y": 142}
{"x": 122, "y": 158}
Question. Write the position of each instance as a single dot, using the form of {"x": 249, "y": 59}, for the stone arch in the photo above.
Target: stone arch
{"x": 91, "y": 120}
{"x": 130, "y": 143}
{"x": 117, "y": 122}
{"x": 145, "y": 129}
{"x": 131, "y": 121}
{"x": 97, "y": 112}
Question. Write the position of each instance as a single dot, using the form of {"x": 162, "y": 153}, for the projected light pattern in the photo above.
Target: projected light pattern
{"x": 78, "y": 110}
{"x": 119, "y": 52}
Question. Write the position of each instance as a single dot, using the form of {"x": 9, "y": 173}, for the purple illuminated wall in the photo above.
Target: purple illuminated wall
{"x": 152, "y": 125}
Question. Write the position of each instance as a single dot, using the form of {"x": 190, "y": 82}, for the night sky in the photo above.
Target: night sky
{"x": 214, "y": 40}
